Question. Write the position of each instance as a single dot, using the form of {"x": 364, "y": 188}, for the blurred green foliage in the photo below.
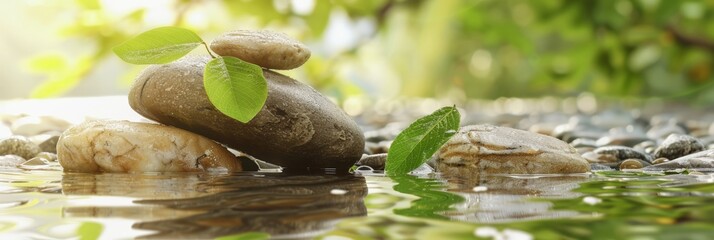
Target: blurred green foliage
{"x": 450, "y": 48}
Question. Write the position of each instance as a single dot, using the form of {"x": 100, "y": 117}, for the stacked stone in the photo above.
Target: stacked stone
{"x": 297, "y": 129}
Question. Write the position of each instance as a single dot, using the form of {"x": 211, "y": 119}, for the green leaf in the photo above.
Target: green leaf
{"x": 246, "y": 236}
{"x": 158, "y": 46}
{"x": 421, "y": 139}
{"x": 89, "y": 230}
{"x": 236, "y": 88}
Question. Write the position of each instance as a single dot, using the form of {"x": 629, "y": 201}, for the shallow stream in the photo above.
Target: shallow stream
{"x": 49, "y": 204}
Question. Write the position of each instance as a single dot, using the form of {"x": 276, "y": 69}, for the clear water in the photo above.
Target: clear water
{"x": 49, "y": 204}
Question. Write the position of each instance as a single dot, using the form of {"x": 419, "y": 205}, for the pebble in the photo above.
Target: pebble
{"x": 20, "y": 146}
{"x": 623, "y": 139}
{"x": 50, "y": 144}
{"x": 615, "y": 154}
{"x": 698, "y": 160}
{"x": 123, "y": 146}
{"x": 375, "y": 161}
{"x": 298, "y": 128}
{"x": 675, "y": 146}
{"x": 11, "y": 160}
{"x": 488, "y": 149}
{"x": 34, "y": 125}
{"x": 268, "y": 49}
{"x": 660, "y": 160}
{"x": 631, "y": 164}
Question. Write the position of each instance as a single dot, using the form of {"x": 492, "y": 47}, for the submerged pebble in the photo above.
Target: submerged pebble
{"x": 488, "y": 149}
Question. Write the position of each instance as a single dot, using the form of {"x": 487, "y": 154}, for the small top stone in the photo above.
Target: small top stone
{"x": 268, "y": 49}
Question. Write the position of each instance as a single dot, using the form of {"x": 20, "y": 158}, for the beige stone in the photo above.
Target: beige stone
{"x": 122, "y": 146}
{"x": 487, "y": 149}
{"x": 268, "y": 49}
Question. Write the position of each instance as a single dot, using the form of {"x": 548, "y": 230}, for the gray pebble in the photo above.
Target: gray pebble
{"x": 698, "y": 160}
{"x": 600, "y": 167}
{"x": 11, "y": 160}
{"x": 621, "y": 153}
{"x": 675, "y": 146}
{"x": 375, "y": 161}
{"x": 622, "y": 139}
{"x": 20, "y": 146}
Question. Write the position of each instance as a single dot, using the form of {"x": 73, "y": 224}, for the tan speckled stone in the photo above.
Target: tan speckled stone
{"x": 268, "y": 49}
{"x": 487, "y": 149}
{"x": 122, "y": 146}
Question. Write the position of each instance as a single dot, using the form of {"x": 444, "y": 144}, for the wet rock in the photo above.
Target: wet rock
{"x": 676, "y": 146}
{"x": 631, "y": 164}
{"x": 122, "y": 146}
{"x": 20, "y": 146}
{"x": 50, "y": 144}
{"x": 34, "y": 125}
{"x": 11, "y": 160}
{"x": 626, "y": 139}
{"x": 600, "y": 167}
{"x": 375, "y": 161}
{"x": 615, "y": 154}
{"x": 698, "y": 160}
{"x": 487, "y": 149}
{"x": 660, "y": 160}
{"x": 583, "y": 142}
{"x": 268, "y": 49}
{"x": 578, "y": 127}
{"x": 298, "y": 128}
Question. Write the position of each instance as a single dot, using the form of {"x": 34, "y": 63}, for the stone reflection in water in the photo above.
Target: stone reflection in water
{"x": 507, "y": 198}
{"x": 279, "y": 205}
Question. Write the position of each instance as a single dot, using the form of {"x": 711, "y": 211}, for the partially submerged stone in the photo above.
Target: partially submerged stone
{"x": 698, "y": 160}
{"x": 20, "y": 146}
{"x": 268, "y": 49}
{"x": 122, "y": 146}
{"x": 487, "y": 149}
{"x": 298, "y": 128}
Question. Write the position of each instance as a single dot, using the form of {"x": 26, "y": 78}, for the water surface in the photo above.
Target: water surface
{"x": 42, "y": 204}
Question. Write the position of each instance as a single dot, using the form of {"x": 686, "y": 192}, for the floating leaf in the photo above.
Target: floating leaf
{"x": 236, "y": 88}
{"x": 421, "y": 139}
{"x": 246, "y": 236}
{"x": 158, "y": 46}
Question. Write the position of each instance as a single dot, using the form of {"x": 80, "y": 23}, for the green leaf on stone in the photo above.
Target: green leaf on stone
{"x": 236, "y": 88}
{"x": 421, "y": 140}
{"x": 158, "y": 46}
